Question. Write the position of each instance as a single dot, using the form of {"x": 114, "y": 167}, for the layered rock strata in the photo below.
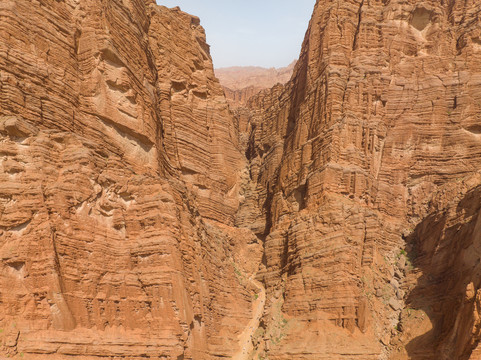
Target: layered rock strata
{"x": 382, "y": 111}
{"x": 119, "y": 184}
{"x": 337, "y": 217}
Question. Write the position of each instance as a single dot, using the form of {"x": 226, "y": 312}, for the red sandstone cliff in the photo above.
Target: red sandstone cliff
{"x": 119, "y": 186}
{"x": 366, "y": 165}
{"x": 337, "y": 217}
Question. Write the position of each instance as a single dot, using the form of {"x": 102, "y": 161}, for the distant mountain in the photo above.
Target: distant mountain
{"x": 240, "y": 77}
{"x": 242, "y": 82}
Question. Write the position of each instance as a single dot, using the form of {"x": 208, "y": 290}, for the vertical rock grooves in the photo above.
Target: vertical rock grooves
{"x": 119, "y": 186}
{"x": 355, "y": 160}
{"x": 336, "y": 217}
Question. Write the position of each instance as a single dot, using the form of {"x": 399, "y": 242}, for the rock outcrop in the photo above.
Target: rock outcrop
{"x": 381, "y": 113}
{"x": 119, "y": 184}
{"x": 442, "y": 317}
{"x": 336, "y": 216}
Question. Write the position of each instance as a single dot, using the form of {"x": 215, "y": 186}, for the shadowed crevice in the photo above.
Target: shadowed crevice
{"x": 445, "y": 247}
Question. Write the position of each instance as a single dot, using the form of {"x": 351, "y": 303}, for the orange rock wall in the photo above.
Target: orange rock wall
{"x": 136, "y": 209}
{"x": 118, "y": 186}
{"x": 382, "y": 111}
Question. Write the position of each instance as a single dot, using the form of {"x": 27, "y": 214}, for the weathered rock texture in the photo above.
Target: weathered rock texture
{"x": 382, "y": 112}
{"x": 136, "y": 210}
{"x": 119, "y": 184}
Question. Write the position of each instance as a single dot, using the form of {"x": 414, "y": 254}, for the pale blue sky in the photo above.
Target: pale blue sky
{"x": 266, "y": 33}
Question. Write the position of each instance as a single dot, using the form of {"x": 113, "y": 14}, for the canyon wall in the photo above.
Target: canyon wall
{"x": 119, "y": 184}
{"x": 382, "y": 112}
{"x": 336, "y": 216}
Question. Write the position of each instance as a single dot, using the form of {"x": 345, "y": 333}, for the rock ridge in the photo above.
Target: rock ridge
{"x": 346, "y": 157}
{"x": 240, "y": 83}
{"x": 119, "y": 186}
{"x": 335, "y": 216}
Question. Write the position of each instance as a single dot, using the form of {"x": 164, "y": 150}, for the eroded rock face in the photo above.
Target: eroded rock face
{"x": 445, "y": 248}
{"x": 119, "y": 186}
{"x": 337, "y": 217}
{"x": 382, "y": 111}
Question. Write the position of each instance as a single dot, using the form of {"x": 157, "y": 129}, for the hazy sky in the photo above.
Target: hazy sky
{"x": 266, "y": 33}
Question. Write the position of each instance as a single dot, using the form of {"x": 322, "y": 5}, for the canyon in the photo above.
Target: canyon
{"x": 147, "y": 212}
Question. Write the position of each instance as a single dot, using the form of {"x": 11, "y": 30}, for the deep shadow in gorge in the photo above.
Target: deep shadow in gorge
{"x": 446, "y": 248}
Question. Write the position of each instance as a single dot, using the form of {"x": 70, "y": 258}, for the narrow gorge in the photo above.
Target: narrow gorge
{"x": 145, "y": 216}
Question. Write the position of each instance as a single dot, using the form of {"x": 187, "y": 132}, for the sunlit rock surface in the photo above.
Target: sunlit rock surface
{"x": 119, "y": 184}
{"x": 382, "y": 112}
{"x": 336, "y": 216}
